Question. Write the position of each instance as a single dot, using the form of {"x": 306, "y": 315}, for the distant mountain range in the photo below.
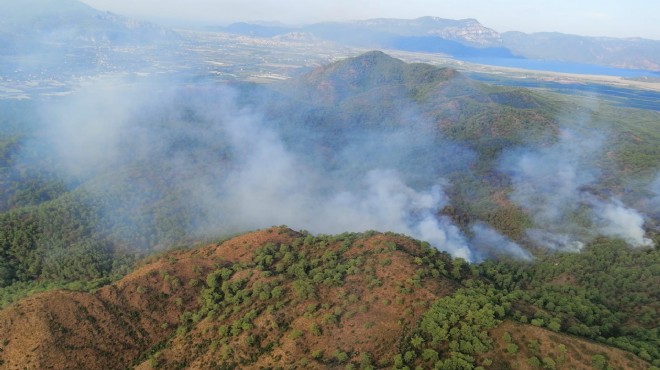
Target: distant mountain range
{"x": 34, "y": 33}
{"x": 470, "y": 39}
{"x": 53, "y": 23}
{"x": 37, "y": 36}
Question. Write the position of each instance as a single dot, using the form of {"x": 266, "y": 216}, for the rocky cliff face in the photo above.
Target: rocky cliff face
{"x": 471, "y": 32}
{"x": 467, "y": 31}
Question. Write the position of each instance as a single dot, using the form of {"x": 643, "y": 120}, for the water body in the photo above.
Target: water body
{"x": 562, "y": 67}
{"x": 626, "y": 97}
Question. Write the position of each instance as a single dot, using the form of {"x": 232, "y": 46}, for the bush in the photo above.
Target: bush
{"x": 534, "y": 362}
{"x": 316, "y": 330}
{"x": 340, "y": 356}
{"x": 512, "y": 348}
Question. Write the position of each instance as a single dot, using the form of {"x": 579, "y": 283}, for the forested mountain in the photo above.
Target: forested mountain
{"x": 524, "y": 199}
{"x": 201, "y": 161}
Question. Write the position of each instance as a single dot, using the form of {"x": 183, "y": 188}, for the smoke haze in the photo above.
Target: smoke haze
{"x": 490, "y": 244}
{"x": 223, "y": 167}
{"x": 553, "y": 185}
{"x": 236, "y": 173}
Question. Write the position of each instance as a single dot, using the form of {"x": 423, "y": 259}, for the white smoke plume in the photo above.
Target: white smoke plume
{"x": 271, "y": 185}
{"x": 553, "y": 185}
{"x": 554, "y": 240}
{"x": 237, "y": 173}
{"x": 613, "y": 218}
{"x": 387, "y": 203}
{"x": 488, "y": 243}
{"x": 234, "y": 170}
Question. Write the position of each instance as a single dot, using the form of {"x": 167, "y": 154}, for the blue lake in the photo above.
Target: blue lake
{"x": 622, "y": 96}
{"x": 562, "y": 67}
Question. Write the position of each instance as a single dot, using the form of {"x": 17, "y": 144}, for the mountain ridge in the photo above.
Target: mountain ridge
{"x": 277, "y": 297}
{"x": 75, "y": 22}
{"x": 469, "y": 38}
{"x": 47, "y": 37}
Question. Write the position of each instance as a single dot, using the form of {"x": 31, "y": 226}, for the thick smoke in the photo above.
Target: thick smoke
{"x": 554, "y": 185}
{"x": 235, "y": 172}
{"x": 488, "y": 243}
{"x": 220, "y": 167}
{"x": 386, "y": 202}
{"x": 85, "y": 131}
{"x": 270, "y": 184}
{"x": 613, "y": 218}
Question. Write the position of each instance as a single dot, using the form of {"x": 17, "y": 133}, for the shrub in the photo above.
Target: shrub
{"x": 512, "y": 348}
{"x": 316, "y": 330}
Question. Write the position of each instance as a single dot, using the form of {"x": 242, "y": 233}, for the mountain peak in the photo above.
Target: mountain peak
{"x": 435, "y": 19}
{"x": 373, "y": 56}
{"x": 468, "y": 31}
{"x": 26, "y": 10}
{"x": 373, "y": 71}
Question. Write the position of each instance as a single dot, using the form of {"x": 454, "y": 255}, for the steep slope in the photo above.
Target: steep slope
{"x": 531, "y": 347}
{"x": 301, "y": 297}
{"x": 175, "y": 157}
{"x": 108, "y": 329}
{"x": 439, "y": 111}
{"x": 279, "y": 298}
{"x": 376, "y": 89}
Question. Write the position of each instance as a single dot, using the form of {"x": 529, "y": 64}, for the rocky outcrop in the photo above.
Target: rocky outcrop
{"x": 472, "y": 32}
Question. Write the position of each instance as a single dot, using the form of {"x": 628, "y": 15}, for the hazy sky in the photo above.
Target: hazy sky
{"x": 617, "y": 18}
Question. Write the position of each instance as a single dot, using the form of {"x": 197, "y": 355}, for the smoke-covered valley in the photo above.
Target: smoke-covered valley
{"x": 121, "y": 136}
{"x": 233, "y": 169}
{"x": 369, "y": 143}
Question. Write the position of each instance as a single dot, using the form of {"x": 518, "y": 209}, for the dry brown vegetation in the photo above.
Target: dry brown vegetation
{"x": 534, "y": 345}
{"x": 246, "y": 303}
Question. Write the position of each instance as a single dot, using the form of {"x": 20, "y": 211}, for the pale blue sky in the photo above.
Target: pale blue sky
{"x": 616, "y": 18}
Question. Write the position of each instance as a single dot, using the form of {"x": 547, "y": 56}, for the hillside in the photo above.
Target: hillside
{"x": 365, "y": 143}
{"x": 443, "y": 222}
{"x": 377, "y": 91}
{"x": 279, "y": 298}
{"x": 512, "y": 180}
